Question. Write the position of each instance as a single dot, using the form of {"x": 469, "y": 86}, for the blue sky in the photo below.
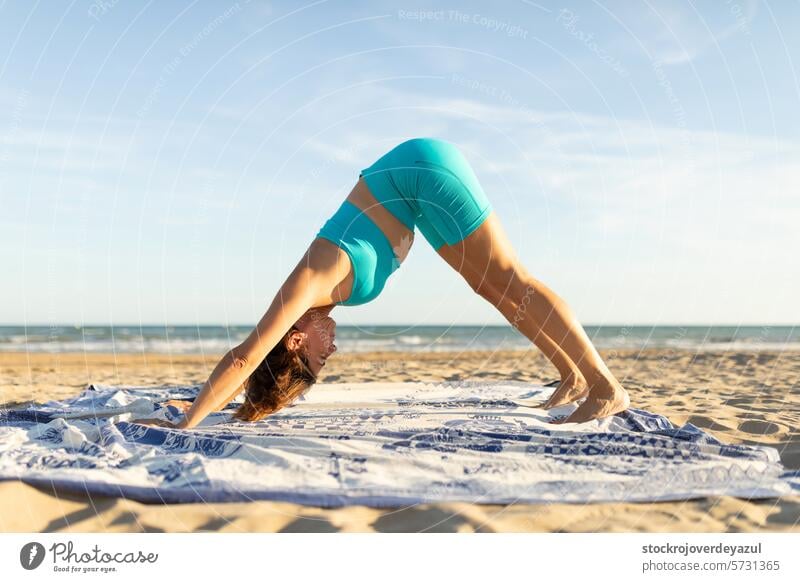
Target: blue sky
{"x": 169, "y": 162}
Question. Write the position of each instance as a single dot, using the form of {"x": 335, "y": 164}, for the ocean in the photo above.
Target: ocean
{"x": 210, "y": 339}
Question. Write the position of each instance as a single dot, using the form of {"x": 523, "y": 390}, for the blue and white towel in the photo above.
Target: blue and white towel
{"x": 377, "y": 444}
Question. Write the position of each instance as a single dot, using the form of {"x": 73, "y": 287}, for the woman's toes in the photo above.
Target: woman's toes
{"x": 601, "y": 406}
{"x": 566, "y": 396}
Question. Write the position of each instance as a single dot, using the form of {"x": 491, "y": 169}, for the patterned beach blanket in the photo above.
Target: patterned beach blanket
{"x": 377, "y": 444}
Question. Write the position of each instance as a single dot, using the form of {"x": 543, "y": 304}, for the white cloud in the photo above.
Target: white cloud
{"x": 677, "y": 35}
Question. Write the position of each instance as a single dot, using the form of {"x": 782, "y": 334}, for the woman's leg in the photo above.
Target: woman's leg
{"x": 572, "y": 385}
{"x": 486, "y": 259}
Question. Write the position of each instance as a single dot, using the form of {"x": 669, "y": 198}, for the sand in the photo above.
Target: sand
{"x": 739, "y": 397}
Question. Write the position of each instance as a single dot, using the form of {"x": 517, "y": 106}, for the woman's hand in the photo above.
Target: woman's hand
{"x": 183, "y": 405}
{"x": 155, "y": 422}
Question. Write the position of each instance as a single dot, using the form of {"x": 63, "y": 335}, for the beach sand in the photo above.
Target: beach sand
{"x": 739, "y": 397}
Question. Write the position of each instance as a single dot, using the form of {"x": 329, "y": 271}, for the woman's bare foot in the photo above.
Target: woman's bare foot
{"x": 603, "y": 400}
{"x": 570, "y": 389}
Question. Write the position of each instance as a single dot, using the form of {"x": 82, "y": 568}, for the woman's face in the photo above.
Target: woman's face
{"x": 320, "y": 334}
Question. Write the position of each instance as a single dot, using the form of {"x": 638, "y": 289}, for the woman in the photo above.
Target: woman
{"x": 428, "y": 184}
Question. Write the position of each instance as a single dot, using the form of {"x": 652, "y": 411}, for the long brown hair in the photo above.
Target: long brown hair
{"x": 281, "y": 377}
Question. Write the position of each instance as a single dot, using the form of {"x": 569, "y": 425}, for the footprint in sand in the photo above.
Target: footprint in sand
{"x": 759, "y": 427}
{"x": 705, "y": 422}
{"x": 748, "y": 404}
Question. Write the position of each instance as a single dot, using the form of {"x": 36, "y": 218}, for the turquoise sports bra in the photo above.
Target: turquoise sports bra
{"x": 370, "y": 252}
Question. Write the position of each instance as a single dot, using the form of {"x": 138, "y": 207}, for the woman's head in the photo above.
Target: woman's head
{"x": 290, "y": 368}
{"x": 314, "y": 335}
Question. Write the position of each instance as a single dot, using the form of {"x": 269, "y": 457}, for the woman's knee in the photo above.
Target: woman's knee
{"x": 497, "y": 290}
{"x": 506, "y": 274}
{"x": 519, "y": 288}
{"x": 495, "y": 297}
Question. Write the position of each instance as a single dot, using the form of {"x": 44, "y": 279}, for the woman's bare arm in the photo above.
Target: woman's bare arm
{"x": 230, "y": 398}
{"x": 310, "y": 281}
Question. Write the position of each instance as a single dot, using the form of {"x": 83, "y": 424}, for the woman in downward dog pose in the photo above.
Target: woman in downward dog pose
{"x": 428, "y": 184}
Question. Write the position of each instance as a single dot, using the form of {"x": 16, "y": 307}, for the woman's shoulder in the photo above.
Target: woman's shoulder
{"x": 329, "y": 269}
{"x": 324, "y": 256}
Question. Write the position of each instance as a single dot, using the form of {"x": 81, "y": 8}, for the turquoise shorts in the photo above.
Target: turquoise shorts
{"x": 427, "y": 183}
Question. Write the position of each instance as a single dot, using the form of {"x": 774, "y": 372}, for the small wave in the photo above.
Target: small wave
{"x": 353, "y": 339}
